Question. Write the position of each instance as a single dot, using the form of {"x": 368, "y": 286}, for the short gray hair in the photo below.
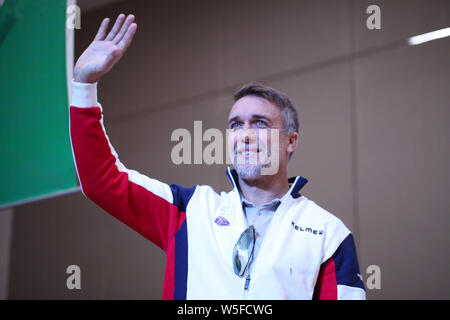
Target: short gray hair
{"x": 288, "y": 112}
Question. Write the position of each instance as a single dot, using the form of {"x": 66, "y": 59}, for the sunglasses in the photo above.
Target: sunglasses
{"x": 243, "y": 251}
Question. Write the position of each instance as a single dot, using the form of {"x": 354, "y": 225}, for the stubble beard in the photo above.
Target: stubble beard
{"x": 249, "y": 169}
{"x": 248, "y": 172}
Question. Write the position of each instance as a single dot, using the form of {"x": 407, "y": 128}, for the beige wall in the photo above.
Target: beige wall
{"x": 374, "y": 117}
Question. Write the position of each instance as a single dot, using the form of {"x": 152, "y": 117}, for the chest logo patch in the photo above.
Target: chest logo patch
{"x": 221, "y": 221}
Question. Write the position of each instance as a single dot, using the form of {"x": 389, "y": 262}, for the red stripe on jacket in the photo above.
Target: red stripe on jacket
{"x": 326, "y": 285}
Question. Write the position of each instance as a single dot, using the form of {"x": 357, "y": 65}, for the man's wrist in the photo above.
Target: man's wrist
{"x": 84, "y": 95}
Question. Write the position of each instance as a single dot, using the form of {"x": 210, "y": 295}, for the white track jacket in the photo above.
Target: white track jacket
{"x": 307, "y": 252}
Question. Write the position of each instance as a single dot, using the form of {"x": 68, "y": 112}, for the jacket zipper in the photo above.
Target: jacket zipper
{"x": 269, "y": 228}
{"x": 246, "y": 286}
{"x": 247, "y": 282}
{"x": 247, "y": 278}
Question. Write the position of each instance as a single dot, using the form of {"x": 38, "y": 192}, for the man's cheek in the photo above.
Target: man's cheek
{"x": 230, "y": 145}
{"x": 264, "y": 147}
{"x": 273, "y": 154}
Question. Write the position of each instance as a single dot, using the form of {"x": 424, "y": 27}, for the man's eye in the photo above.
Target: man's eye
{"x": 234, "y": 125}
{"x": 261, "y": 123}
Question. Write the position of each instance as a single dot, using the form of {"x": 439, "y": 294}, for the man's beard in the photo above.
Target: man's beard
{"x": 247, "y": 171}
{"x": 249, "y": 168}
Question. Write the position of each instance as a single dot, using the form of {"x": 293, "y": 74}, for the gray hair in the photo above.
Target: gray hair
{"x": 288, "y": 112}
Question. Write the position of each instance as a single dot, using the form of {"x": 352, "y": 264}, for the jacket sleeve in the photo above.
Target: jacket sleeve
{"x": 152, "y": 208}
{"x": 339, "y": 277}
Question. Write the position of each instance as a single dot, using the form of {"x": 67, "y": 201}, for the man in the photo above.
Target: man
{"x": 262, "y": 240}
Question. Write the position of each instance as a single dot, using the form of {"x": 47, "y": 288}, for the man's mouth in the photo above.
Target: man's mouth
{"x": 247, "y": 152}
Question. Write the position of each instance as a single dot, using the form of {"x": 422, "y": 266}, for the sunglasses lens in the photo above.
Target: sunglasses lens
{"x": 243, "y": 251}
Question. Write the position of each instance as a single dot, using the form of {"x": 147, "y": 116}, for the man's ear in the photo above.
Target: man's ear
{"x": 292, "y": 142}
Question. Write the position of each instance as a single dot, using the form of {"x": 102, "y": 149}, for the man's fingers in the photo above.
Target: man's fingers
{"x": 116, "y": 27}
{"x": 126, "y": 40}
{"x": 102, "y": 30}
{"x": 124, "y": 29}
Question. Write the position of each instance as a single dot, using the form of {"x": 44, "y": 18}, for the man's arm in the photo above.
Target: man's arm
{"x": 154, "y": 209}
{"x": 339, "y": 277}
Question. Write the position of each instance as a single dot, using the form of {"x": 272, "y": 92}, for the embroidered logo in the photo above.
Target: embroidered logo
{"x": 224, "y": 215}
{"x": 307, "y": 229}
{"x": 221, "y": 221}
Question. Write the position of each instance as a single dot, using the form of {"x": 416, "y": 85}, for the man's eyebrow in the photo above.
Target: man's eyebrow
{"x": 260, "y": 116}
{"x": 233, "y": 119}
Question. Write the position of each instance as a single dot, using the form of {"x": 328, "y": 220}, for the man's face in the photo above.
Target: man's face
{"x": 253, "y": 143}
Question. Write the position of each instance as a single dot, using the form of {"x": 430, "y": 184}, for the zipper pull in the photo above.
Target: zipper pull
{"x": 247, "y": 282}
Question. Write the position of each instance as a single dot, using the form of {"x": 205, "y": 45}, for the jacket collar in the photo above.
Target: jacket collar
{"x": 297, "y": 183}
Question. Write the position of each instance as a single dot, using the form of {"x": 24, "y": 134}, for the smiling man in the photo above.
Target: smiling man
{"x": 259, "y": 114}
{"x": 262, "y": 240}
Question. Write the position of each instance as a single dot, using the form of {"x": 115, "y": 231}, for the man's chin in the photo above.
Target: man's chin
{"x": 249, "y": 172}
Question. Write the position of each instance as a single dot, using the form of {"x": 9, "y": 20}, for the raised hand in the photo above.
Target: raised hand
{"x": 104, "y": 52}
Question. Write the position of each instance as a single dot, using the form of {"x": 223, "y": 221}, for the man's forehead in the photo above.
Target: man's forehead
{"x": 250, "y": 106}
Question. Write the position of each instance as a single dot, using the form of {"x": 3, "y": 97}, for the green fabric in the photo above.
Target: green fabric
{"x": 35, "y": 157}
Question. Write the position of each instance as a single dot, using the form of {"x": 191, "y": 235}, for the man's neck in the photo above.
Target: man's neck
{"x": 265, "y": 189}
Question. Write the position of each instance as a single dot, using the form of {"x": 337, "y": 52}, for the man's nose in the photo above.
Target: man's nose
{"x": 247, "y": 135}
